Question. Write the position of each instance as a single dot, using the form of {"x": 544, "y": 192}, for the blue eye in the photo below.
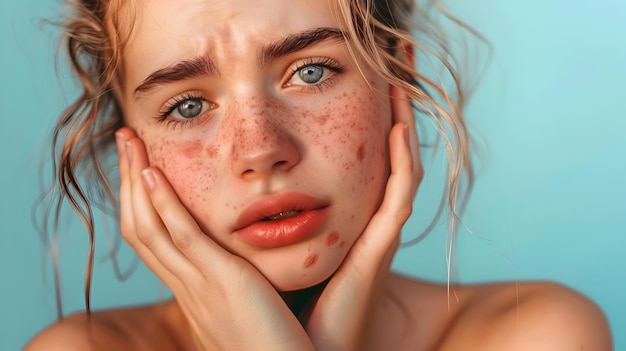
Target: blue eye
{"x": 314, "y": 73}
{"x": 186, "y": 108}
{"x": 311, "y": 74}
{"x": 189, "y": 108}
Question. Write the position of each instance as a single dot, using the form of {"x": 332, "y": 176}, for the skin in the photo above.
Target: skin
{"x": 331, "y": 133}
{"x": 183, "y": 186}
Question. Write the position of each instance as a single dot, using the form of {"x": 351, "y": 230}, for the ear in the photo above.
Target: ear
{"x": 405, "y": 51}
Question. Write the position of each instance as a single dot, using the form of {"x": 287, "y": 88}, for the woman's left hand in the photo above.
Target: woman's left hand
{"x": 343, "y": 314}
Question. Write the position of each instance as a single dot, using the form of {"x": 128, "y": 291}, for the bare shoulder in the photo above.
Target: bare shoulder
{"x": 71, "y": 333}
{"x": 505, "y": 316}
{"x": 528, "y": 316}
{"x": 509, "y": 316}
{"x": 136, "y": 328}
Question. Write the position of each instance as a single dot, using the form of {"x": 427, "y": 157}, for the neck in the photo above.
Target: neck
{"x": 301, "y": 302}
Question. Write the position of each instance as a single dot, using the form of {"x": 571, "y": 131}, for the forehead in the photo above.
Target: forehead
{"x": 189, "y": 17}
{"x": 168, "y": 31}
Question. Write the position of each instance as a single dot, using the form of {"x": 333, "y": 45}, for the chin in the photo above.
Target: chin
{"x": 304, "y": 283}
{"x": 291, "y": 277}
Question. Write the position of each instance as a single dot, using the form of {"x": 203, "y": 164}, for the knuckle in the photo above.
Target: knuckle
{"x": 418, "y": 172}
{"x": 183, "y": 241}
{"x": 397, "y": 215}
{"x": 161, "y": 205}
{"x": 146, "y": 237}
{"x": 403, "y": 213}
{"x": 126, "y": 230}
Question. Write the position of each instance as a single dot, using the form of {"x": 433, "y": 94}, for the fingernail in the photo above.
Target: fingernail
{"x": 148, "y": 178}
{"x": 129, "y": 151}
{"x": 119, "y": 139}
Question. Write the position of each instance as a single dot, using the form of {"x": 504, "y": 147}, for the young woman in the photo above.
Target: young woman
{"x": 268, "y": 159}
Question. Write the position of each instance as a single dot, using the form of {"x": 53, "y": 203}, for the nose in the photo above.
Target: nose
{"x": 262, "y": 146}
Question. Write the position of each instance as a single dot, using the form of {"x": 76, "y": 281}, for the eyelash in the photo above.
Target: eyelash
{"x": 173, "y": 104}
{"x": 324, "y": 62}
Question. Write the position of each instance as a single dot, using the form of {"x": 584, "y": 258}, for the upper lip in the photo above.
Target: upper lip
{"x": 274, "y": 204}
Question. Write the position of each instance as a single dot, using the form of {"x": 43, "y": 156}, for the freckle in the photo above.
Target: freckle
{"x": 332, "y": 239}
{"x": 360, "y": 152}
{"x": 342, "y": 244}
{"x": 310, "y": 261}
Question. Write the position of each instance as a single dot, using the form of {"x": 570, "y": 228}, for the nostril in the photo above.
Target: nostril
{"x": 279, "y": 164}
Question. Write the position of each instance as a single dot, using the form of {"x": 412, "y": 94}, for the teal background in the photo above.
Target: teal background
{"x": 549, "y": 200}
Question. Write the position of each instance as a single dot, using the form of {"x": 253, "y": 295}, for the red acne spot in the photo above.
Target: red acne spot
{"x": 360, "y": 152}
{"x": 191, "y": 149}
{"x": 332, "y": 239}
{"x": 211, "y": 151}
{"x": 310, "y": 261}
{"x": 323, "y": 119}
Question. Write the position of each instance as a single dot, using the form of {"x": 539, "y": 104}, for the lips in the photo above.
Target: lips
{"x": 281, "y": 220}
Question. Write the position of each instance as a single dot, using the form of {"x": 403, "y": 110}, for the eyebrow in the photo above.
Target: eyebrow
{"x": 204, "y": 66}
{"x": 298, "y": 41}
{"x": 198, "y": 66}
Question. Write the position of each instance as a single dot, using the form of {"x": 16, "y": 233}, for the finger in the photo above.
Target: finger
{"x": 403, "y": 112}
{"x": 383, "y": 230}
{"x": 127, "y": 220}
{"x": 127, "y": 225}
{"x": 185, "y": 233}
{"x": 150, "y": 237}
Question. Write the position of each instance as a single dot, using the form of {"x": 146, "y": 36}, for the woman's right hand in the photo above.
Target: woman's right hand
{"x": 228, "y": 303}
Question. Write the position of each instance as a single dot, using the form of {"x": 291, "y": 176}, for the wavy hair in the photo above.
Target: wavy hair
{"x": 95, "y": 34}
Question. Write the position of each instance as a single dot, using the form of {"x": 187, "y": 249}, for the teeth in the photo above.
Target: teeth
{"x": 281, "y": 215}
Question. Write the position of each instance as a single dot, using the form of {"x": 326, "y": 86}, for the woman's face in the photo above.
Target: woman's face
{"x": 258, "y": 116}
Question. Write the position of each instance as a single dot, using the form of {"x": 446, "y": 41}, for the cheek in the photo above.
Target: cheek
{"x": 189, "y": 166}
{"x": 351, "y": 135}
{"x": 354, "y": 128}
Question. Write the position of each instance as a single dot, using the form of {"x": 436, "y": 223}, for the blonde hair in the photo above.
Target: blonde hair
{"x": 95, "y": 35}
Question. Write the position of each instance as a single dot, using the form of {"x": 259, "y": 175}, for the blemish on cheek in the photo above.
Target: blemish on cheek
{"x": 332, "y": 238}
{"x": 360, "y": 152}
{"x": 342, "y": 244}
{"x": 324, "y": 118}
{"x": 191, "y": 149}
{"x": 310, "y": 261}
{"x": 211, "y": 151}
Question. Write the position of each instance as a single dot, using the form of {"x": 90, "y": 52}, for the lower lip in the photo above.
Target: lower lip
{"x": 284, "y": 231}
